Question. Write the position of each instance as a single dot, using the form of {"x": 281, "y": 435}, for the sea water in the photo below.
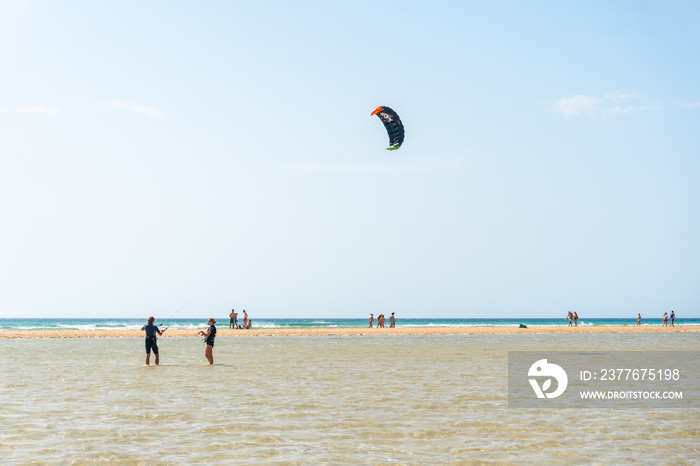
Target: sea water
{"x": 379, "y": 399}
{"x": 199, "y": 323}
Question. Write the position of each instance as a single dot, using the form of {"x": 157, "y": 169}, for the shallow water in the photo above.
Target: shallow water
{"x": 338, "y": 399}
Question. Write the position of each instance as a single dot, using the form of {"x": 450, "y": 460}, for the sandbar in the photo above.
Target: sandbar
{"x": 326, "y": 331}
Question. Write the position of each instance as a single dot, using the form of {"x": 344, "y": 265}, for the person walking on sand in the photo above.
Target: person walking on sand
{"x": 570, "y": 317}
{"x": 639, "y": 320}
{"x": 232, "y": 319}
{"x": 673, "y": 318}
{"x": 392, "y": 321}
{"x": 371, "y": 320}
{"x": 209, "y": 340}
{"x": 575, "y": 319}
{"x": 665, "y": 319}
{"x": 245, "y": 319}
{"x": 151, "y": 338}
{"x": 380, "y": 321}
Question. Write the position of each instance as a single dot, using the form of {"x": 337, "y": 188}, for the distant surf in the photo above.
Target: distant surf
{"x": 193, "y": 323}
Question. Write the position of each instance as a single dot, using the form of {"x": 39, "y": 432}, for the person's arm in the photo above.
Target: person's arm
{"x": 206, "y": 335}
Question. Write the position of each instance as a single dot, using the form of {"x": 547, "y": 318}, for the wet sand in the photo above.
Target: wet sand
{"x": 224, "y": 331}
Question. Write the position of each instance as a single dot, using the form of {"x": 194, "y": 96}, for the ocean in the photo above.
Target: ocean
{"x": 198, "y": 323}
{"x": 379, "y": 399}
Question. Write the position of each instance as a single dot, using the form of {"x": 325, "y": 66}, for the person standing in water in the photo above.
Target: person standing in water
{"x": 151, "y": 338}
{"x": 209, "y": 340}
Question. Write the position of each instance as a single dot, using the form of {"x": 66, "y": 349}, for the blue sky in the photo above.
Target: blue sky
{"x": 187, "y": 158}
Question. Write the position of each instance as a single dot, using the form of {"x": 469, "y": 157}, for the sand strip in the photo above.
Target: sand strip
{"x": 223, "y": 331}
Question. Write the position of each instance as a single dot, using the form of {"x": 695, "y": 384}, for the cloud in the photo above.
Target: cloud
{"x": 691, "y": 105}
{"x": 149, "y": 111}
{"x": 593, "y": 107}
{"x": 578, "y": 105}
{"x": 39, "y": 110}
{"x": 411, "y": 166}
{"x": 619, "y": 98}
{"x": 628, "y": 109}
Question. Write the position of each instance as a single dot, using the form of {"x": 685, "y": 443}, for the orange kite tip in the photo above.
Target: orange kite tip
{"x": 376, "y": 110}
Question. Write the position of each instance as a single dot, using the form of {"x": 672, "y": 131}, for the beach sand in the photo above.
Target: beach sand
{"x": 224, "y": 331}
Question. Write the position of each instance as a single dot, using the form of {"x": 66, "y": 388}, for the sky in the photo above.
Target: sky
{"x": 181, "y": 159}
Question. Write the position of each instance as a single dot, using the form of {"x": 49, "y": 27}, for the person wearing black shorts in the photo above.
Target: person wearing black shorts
{"x": 151, "y": 340}
{"x": 209, "y": 340}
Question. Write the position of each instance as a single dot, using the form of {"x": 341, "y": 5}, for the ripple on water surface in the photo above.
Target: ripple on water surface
{"x": 394, "y": 399}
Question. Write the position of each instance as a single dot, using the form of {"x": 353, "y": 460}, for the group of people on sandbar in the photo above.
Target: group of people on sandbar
{"x": 233, "y": 321}
{"x": 380, "y": 321}
{"x": 572, "y": 318}
{"x": 152, "y": 332}
{"x": 664, "y": 318}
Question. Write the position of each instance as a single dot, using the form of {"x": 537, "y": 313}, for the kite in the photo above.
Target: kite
{"x": 393, "y": 126}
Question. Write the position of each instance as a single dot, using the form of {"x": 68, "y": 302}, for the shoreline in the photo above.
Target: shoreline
{"x": 325, "y": 331}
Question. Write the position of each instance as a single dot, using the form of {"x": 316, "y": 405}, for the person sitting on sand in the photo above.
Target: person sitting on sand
{"x": 575, "y": 319}
{"x": 209, "y": 340}
{"x": 250, "y": 323}
{"x": 665, "y": 319}
{"x": 639, "y": 320}
{"x": 151, "y": 338}
{"x": 392, "y": 321}
{"x": 371, "y": 320}
{"x": 673, "y": 318}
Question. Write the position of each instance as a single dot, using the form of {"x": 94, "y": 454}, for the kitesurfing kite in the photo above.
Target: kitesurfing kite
{"x": 393, "y": 125}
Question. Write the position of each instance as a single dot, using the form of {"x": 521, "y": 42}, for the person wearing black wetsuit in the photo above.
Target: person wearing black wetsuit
{"x": 151, "y": 338}
{"x": 209, "y": 340}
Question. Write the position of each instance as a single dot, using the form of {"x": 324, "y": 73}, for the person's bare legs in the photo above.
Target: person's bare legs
{"x": 209, "y": 353}
{"x": 148, "y": 359}
{"x": 157, "y": 359}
